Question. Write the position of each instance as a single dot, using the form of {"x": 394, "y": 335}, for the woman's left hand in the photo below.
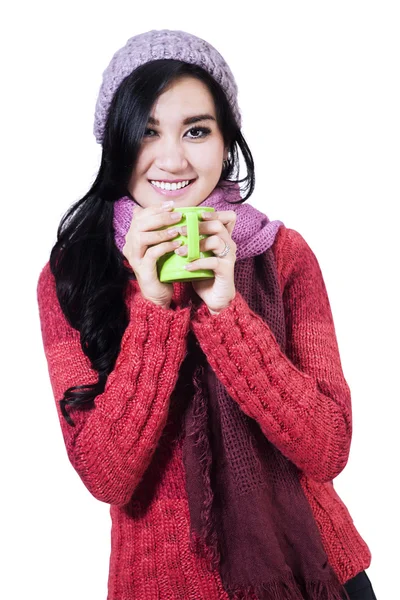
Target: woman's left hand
{"x": 218, "y": 292}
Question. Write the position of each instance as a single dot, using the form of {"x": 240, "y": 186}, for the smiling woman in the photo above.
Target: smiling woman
{"x": 174, "y": 151}
{"x": 211, "y": 415}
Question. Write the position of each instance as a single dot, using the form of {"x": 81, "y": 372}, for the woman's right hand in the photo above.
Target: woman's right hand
{"x": 144, "y": 246}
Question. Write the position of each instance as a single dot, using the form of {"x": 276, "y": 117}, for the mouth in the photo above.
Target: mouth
{"x": 171, "y": 189}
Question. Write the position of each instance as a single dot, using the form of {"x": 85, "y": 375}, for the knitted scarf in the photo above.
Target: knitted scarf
{"x": 249, "y": 516}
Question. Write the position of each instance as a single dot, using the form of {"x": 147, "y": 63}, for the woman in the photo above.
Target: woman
{"x": 212, "y": 415}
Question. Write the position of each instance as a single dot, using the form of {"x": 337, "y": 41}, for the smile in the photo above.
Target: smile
{"x": 165, "y": 185}
{"x": 166, "y": 188}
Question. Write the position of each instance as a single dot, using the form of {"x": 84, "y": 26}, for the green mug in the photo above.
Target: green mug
{"x": 170, "y": 266}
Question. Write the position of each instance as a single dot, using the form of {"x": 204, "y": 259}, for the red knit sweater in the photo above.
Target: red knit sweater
{"x": 300, "y": 400}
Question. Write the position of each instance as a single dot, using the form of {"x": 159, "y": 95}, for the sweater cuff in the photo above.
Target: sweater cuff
{"x": 235, "y": 337}
{"x": 167, "y": 325}
{"x": 237, "y": 306}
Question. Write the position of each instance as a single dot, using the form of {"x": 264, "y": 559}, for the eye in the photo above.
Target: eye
{"x": 205, "y": 131}
{"x": 196, "y": 133}
{"x": 146, "y": 134}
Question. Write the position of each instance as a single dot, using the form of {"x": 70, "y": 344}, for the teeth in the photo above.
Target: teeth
{"x": 170, "y": 186}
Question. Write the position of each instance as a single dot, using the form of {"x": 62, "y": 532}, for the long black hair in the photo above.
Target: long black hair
{"x": 90, "y": 274}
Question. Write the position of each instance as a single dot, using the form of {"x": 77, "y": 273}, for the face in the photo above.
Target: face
{"x": 182, "y": 143}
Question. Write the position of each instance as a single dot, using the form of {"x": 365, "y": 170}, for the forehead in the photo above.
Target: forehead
{"x": 185, "y": 97}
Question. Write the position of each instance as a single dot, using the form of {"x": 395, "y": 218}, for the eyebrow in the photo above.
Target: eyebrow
{"x": 188, "y": 120}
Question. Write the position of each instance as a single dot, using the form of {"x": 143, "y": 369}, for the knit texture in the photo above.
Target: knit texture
{"x": 245, "y": 499}
{"x": 253, "y": 233}
{"x": 249, "y": 516}
{"x": 128, "y": 451}
{"x": 155, "y": 45}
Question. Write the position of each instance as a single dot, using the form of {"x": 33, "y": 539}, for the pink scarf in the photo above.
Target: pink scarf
{"x": 253, "y": 232}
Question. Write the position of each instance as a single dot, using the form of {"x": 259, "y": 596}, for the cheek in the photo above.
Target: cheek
{"x": 208, "y": 157}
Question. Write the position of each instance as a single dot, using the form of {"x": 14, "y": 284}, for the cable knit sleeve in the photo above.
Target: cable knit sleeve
{"x": 112, "y": 443}
{"x": 300, "y": 399}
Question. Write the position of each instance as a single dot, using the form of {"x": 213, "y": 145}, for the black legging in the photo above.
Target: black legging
{"x": 360, "y": 588}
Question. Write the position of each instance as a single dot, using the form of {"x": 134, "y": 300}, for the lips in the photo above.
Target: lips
{"x": 176, "y": 192}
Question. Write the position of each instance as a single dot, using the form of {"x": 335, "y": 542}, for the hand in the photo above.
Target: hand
{"x": 218, "y": 292}
{"x": 145, "y": 243}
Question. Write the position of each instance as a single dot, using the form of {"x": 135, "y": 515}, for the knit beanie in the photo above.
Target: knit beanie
{"x": 158, "y": 44}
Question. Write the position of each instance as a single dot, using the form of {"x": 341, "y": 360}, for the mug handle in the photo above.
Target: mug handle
{"x": 192, "y": 224}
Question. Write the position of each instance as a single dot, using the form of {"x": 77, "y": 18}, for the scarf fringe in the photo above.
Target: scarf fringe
{"x": 288, "y": 590}
{"x": 208, "y": 553}
{"x": 320, "y": 590}
{"x": 205, "y": 542}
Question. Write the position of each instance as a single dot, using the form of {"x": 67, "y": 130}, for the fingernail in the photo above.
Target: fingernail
{"x": 168, "y": 204}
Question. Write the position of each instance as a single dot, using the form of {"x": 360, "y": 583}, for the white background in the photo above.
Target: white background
{"x": 319, "y": 94}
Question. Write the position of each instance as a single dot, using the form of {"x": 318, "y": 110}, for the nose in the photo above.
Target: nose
{"x": 170, "y": 156}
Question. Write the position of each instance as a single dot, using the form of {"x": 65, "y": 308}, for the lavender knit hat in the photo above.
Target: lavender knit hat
{"x": 154, "y": 45}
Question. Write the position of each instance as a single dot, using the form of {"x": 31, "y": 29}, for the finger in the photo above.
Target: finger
{"x": 155, "y": 219}
{"x": 143, "y": 240}
{"x": 212, "y": 243}
{"x": 153, "y": 253}
{"x": 212, "y": 229}
{"x": 216, "y": 228}
{"x": 152, "y": 209}
{"x": 226, "y": 217}
{"x": 216, "y": 244}
{"x": 219, "y": 265}
{"x": 208, "y": 228}
{"x": 136, "y": 254}
{"x": 150, "y": 238}
{"x": 151, "y": 226}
